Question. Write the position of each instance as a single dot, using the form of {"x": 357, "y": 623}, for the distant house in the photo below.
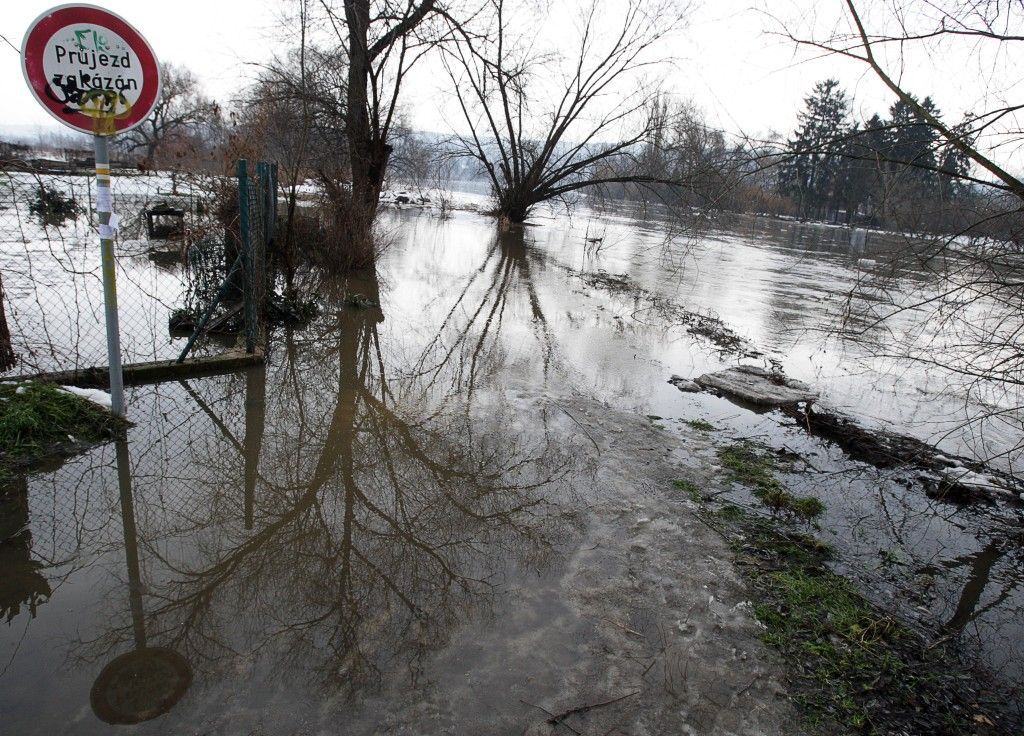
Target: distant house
{"x": 52, "y": 160}
{"x": 14, "y": 151}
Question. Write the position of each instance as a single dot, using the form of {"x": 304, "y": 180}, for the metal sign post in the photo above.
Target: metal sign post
{"x": 104, "y": 207}
{"x": 94, "y": 72}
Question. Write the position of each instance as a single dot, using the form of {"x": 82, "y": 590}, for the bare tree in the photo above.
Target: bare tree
{"x": 544, "y": 124}
{"x": 332, "y": 107}
{"x": 290, "y": 116}
{"x": 985, "y": 22}
{"x": 181, "y": 112}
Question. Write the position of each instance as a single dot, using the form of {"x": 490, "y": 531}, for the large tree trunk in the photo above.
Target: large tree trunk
{"x": 368, "y": 151}
{"x": 513, "y": 206}
{"x": 512, "y": 215}
{"x": 367, "y": 128}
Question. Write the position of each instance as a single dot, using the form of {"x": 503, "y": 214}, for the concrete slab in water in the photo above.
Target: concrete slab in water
{"x": 758, "y": 386}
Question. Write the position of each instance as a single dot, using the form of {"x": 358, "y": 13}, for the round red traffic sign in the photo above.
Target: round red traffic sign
{"x": 90, "y": 69}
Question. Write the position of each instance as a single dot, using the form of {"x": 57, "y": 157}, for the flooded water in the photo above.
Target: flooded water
{"x": 343, "y": 539}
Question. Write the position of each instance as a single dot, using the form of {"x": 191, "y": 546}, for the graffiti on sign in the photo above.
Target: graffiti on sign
{"x": 90, "y": 69}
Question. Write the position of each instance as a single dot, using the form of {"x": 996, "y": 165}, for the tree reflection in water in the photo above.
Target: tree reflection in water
{"x": 377, "y": 511}
{"x": 24, "y": 584}
{"x": 468, "y": 336}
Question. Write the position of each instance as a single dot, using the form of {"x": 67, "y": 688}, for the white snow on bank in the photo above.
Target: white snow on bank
{"x": 970, "y": 479}
{"x": 966, "y": 477}
{"x": 92, "y": 394}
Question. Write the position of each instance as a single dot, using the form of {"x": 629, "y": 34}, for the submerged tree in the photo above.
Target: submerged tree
{"x": 328, "y": 110}
{"x": 381, "y": 40}
{"x": 294, "y": 115}
{"x": 545, "y": 123}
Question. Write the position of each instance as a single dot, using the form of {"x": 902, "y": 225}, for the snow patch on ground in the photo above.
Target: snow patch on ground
{"x": 92, "y": 394}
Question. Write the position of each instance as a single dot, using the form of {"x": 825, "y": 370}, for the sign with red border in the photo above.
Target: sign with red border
{"x": 90, "y": 69}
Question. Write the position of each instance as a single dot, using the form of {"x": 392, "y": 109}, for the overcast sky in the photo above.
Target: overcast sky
{"x": 745, "y": 77}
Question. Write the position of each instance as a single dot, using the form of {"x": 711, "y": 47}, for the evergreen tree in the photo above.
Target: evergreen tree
{"x": 857, "y": 175}
{"x": 870, "y": 168}
{"x": 914, "y": 144}
{"x": 894, "y": 170}
{"x": 955, "y": 165}
{"x": 813, "y": 174}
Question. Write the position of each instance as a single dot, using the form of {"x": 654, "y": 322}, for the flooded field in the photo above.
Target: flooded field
{"x": 445, "y": 510}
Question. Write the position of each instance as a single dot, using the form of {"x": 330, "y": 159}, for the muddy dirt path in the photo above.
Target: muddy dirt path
{"x": 641, "y": 626}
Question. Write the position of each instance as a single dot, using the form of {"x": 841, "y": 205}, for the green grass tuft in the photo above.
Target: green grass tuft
{"x": 36, "y": 417}
{"x": 807, "y": 507}
{"x": 856, "y": 669}
{"x": 729, "y": 512}
{"x": 821, "y": 624}
{"x": 702, "y": 425}
{"x": 689, "y": 488}
{"x": 755, "y": 468}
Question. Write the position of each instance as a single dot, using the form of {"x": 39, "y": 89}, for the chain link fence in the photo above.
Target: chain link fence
{"x": 173, "y": 247}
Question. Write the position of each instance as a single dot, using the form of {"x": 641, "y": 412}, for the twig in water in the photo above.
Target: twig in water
{"x": 555, "y": 720}
{"x": 542, "y": 708}
{"x": 580, "y": 425}
{"x": 624, "y": 628}
{"x": 648, "y": 668}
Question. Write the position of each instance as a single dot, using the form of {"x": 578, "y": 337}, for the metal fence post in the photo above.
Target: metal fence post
{"x": 244, "y": 225}
{"x": 268, "y": 277}
{"x": 273, "y": 200}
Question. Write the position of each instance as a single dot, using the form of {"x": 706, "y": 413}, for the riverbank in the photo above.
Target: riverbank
{"x": 853, "y": 666}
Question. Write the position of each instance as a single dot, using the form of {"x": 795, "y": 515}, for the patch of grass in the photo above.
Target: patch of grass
{"x": 689, "y": 488}
{"x": 807, "y": 507}
{"x": 702, "y": 425}
{"x": 856, "y": 669}
{"x": 812, "y": 544}
{"x": 749, "y": 466}
{"x": 37, "y": 417}
{"x": 755, "y": 468}
{"x": 729, "y": 512}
